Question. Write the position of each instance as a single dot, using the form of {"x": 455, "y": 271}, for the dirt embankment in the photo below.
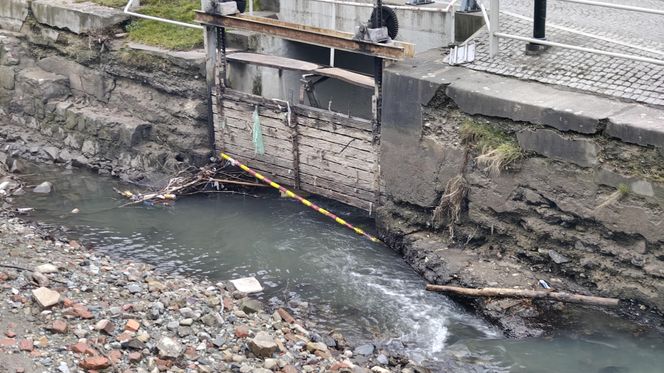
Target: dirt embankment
{"x": 440, "y": 261}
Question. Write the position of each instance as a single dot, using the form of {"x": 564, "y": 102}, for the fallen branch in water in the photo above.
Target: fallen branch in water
{"x": 521, "y": 293}
{"x": 208, "y": 179}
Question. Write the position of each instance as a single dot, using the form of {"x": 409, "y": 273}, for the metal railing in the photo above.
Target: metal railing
{"x": 492, "y": 20}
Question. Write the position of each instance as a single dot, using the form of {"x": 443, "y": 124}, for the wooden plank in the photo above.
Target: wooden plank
{"x": 308, "y": 34}
{"x": 276, "y": 62}
{"x": 277, "y": 128}
{"x": 347, "y": 76}
{"x": 314, "y": 184}
{"x": 309, "y": 164}
{"x": 310, "y": 147}
{"x": 246, "y": 101}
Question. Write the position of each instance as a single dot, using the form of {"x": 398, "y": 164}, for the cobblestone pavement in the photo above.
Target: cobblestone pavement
{"x": 603, "y": 75}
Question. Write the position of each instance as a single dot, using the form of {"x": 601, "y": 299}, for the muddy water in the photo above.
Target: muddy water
{"x": 324, "y": 272}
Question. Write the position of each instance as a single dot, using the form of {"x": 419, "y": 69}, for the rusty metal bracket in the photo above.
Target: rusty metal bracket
{"x": 309, "y": 35}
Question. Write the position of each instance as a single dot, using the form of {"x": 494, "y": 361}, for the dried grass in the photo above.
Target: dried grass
{"x": 451, "y": 203}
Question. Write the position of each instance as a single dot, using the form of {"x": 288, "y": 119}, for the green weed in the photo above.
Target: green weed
{"x": 497, "y": 148}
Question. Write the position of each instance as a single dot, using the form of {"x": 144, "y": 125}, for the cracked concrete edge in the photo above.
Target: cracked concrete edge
{"x": 497, "y": 96}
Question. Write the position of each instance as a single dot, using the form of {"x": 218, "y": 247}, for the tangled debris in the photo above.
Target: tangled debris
{"x": 212, "y": 178}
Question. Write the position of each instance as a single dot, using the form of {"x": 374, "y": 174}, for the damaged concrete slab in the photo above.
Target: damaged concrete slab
{"x": 79, "y": 18}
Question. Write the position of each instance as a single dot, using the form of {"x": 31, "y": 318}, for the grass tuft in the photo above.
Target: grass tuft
{"x": 108, "y": 3}
{"x": 158, "y": 33}
{"x": 621, "y": 192}
{"x": 163, "y": 34}
{"x": 497, "y": 148}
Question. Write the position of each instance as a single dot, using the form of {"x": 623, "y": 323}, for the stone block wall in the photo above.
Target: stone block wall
{"x": 584, "y": 201}
{"x": 73, "y": 92}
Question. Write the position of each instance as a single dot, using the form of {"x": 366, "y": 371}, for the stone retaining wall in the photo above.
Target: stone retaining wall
{"x": 72, "y": 91}
{"x": 584, "y": 202}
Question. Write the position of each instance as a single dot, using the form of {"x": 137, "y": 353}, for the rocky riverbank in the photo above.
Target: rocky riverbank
{"x": 470, "y": 265}
{"x": 68, "y": 308}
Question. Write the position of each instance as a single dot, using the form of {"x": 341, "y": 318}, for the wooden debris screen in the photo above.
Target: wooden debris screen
{"x": 320, "y": 152}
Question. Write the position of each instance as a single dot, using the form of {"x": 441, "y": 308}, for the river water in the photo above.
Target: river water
{"x": 325, "y": 272}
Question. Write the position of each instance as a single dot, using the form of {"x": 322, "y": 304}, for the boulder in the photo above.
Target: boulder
{"x": 46, "y": 297}
{"x": 263, "y": 345}
{"x": 365, "y": 350}
{"x": 46, "y": 268}
{"x": 43, "y": 188}
{"x": 169, "y": 348}
{"x": 251, "y": 306}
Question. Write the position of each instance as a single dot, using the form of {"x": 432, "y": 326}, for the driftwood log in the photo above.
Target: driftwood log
{"x": 521, "y": 293}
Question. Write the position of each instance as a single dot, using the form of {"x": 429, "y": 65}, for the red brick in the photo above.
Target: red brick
{"x": 164, "y": 364}
{"x": 241, "y": 331}
{"x": 115, "y": 356}
{"x": 82, "y": 311}
{"x": 132, "y": 325}
{"x": 59, "y": 326}
{"x": 67, "y": 302}
{"x": 125, "y": 336}
{"x": 339, "y": 365}
{"x": 135, "y": 357}
{"x": 228, "y": 303}
{"x": 25, "y": 345}
{"x": 6, "y": 342}
{"x": 82, "y": 348}
{"x": 95, "y": 362}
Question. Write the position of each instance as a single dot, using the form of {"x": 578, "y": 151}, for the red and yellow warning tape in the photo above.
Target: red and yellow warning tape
{"x": 297, "y": 197}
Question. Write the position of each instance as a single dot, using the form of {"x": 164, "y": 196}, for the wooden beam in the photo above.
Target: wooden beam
{"x": 346, "y": 76}
{"x": 273, "y": 61}
{"x": 308, "y": 35}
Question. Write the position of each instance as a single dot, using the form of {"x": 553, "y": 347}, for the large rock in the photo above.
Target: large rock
{"x": 36, "y": 82}
{"x": 263, "y": 345}
{"x": 46, "y": 297}
{"x": 7, "y": 75}
{"x": 43, "y": 188}
{"x": 169, "y": 348}
{"x": 13, "y": 13}
{"x": 79, "y": 18}
{"x": 46, "y": 268}
{"x": 81, "y": 79}
{"x": 580, "y": 151}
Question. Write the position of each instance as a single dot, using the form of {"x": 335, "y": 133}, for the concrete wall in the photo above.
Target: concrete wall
{"x": 424, "y": 29}
{"x": 585, "y": 201}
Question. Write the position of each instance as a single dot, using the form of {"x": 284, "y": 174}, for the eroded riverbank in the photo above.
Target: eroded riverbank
{"x": 104, "y": 313}
{"x": 325, "y": 275}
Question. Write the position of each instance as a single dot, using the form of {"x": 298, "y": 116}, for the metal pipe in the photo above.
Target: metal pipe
{"x": 539, "y": 19}
{"x": 493, "y": 27}
{"x": 290, "y": 194}
{"x": 177, "y": 23}
{"x": 617, "y": 6}
{"x": 370, "y": 5}
{"x": 582, "y": 49}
